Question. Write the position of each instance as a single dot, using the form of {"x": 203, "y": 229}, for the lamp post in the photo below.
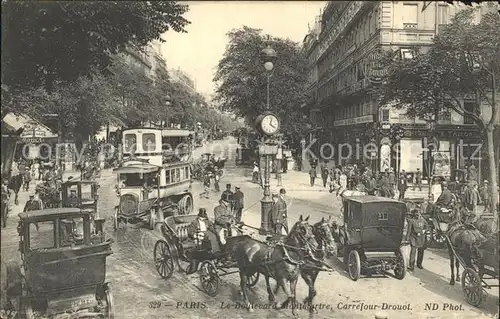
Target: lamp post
{"x": 167, "y": 105}
{"x": 268, "y": 57}
{"x": 431, "y": 127}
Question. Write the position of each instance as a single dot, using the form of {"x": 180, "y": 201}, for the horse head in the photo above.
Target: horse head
{"x": 323, "y": 233}
{"x": 301, "y": 235}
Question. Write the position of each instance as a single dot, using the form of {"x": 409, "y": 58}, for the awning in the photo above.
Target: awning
{"x": 32, "y": 127}
{"x": 11, "y": 125}
{"x": 141, "y": 168}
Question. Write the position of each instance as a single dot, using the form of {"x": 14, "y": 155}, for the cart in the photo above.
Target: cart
{"x": 370, "y": 238}
{"x": 63, "y": 268}
{"x": 485, "y": 275}
{"x": 177, "y": 251}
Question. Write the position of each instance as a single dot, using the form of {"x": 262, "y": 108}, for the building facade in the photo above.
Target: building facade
{"x": 345, "y": 109}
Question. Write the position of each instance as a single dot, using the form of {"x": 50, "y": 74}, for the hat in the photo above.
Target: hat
{"x": 274, "y": 195}
{"x": 32, "y": 195}
{"x": 202, "y": 212}
{"x": 485, "y": 182}
{"x": 282, "y": 191}
{"x": 236, "y": 187}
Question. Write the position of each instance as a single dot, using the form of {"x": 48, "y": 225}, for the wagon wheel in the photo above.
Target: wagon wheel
{"x": 152, "y": 219}
{"x": 400, "y": 269}
{"x": 472, "y": 287}
{"x": 253, "y": 279}
{"x": 164, "y": 259}
{"x": 354, "y": 265}
{"x": 109, "y": 311}
{"x": 209, "y": 278}
{"x": 438, "y": 237}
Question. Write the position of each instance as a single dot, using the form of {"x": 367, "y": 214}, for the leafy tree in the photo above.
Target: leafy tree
{"x": 241, "y": 79}
{"x": 463, "y": 62}
{"x": 51, "y": 41}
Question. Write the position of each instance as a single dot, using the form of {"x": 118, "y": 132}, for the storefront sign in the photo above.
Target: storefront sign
{"x": 440, "y": 133}
{"x": 268, "y": 149}
{"x": 356, "y": 120}
{"x": 349, "y": 14}
{"x": 31, "y": 140}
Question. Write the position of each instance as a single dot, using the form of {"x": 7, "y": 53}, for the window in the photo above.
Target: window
{"x": 136, "y": 179}
{"x": 470, "y": 106}
{"x": 410, "y": 15}
{"x": 42, "y": 235}
{"x": 168, "y": 179}
{"x": 148, "y": 142}
{"x": 71, "y": 231}
{"x": 130, "y": 143}
{"x": 177, "y": 176}
{"x": 186, "y": 173}
{"x": 442, "y": 16}
{"x": 384, "y": 115}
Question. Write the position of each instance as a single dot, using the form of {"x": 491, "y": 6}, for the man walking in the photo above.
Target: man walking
{"x": 472, "y": 197}
{"x": 486, "y": 196}
{"x": 392, "y": 180}
{"x": 402, "y": 185}
{"x": 279, "y": 215}
{"x": 227, "y": 195}
{"x": 418, "y": 180}
{"x": 324, "y": 172}
{"x": 238, "y": 199}
{"x": 206, "y": 186}
{"x": 312, "y": 175}
{"x": 416, "y": 234}
{"x": 5, "y": 201}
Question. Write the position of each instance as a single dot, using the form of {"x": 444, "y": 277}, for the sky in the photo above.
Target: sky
{"x": 198, "y": 51}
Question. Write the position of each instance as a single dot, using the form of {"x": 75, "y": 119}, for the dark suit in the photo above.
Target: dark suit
{"x": 416, "y": 234}
{"x": 238, "y": 198}
{"x": 279, "y": 216}
{"x": 371, "y": 185}
{"x": 402, "y": 186}
{"x": 445, "y": 198}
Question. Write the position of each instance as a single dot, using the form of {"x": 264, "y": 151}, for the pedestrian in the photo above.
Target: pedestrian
{"x": 416, "y": 233}
{"x": 446, "y": 197}
{"x": 206, "y": 186}
{"x": 371, "y": 185}
{"x": 385, "y": 186}
{"x": 227, "y": 195}
{"x": 27, "y": 180}
{"x": 418, "y": 180}
{"x": 472, "y": 197}
{"x": 402, "y": 185}
{"x": 324, "y": 172}
{"x": 238, "y": 205}
{"x": 485, "y": 193}
{"x": 216, "y": 179}
{"x": 392, "y": 180}
{"x": 342, "y": 183}
{"x": 279, "y": 214}
{"x": 312, "y": 175}
{"x": 255, "y": 173}
{"x": 5, "y": 201}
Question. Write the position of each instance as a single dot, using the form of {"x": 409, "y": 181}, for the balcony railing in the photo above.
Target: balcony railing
{"x": 409, "y": 25}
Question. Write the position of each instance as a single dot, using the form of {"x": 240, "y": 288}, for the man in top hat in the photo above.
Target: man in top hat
{"x": 416, "y": 234}
{"x": 238, "y": 199}
{"x": 279, "y": 215}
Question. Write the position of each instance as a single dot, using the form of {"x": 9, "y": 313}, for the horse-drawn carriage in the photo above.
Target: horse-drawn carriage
{"x": 63, "y": 268}
{"x": 177, "y": 250}
{"x": 208, "y": 165}
{"x": 371, "y": 235}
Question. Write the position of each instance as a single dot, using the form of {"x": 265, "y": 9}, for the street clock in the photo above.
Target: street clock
{"x": 267, "y": 124}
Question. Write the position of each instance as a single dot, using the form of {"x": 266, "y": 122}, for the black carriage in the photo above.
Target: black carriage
{"x": 63, "y": 266}
{"x": 177, "y": 250}
{"x": 370, "y": 238}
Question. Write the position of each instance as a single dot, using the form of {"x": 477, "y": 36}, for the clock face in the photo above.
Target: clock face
{"x": 270, "y": 124}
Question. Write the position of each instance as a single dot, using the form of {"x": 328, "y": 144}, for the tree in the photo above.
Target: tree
{"x": 51, "y": 41}
{"x": 463, "y": 62}
{"x": 241, "y": 79}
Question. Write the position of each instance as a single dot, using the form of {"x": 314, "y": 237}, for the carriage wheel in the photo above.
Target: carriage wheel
{"x": 209, "y": 278}
{"x": 438, "y": 238}
{"x": 109, "y": 312}
{"x": 472, "y": 287}
{"x": 164, "y": 260}
{"x": 186, "y": 205}
{"x": 253, "y": 279}
{"x": 400, "y": 269}
{"x": 354, "y": 265}
{"x": 152, "y": 219}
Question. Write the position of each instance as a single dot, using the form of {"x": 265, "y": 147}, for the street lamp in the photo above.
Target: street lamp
{"x": 167, "y": 105}
{"x": 268, "y": 57}
{"x": 431, "y": 127}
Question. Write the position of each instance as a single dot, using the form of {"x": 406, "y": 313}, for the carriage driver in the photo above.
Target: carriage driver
{"x": 416, "y": 235}
{"x": 199, "y": 226}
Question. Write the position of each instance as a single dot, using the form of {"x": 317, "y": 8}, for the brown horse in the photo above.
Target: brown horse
{"x": 322, "y": 232}
{"x": 281, "y": 261}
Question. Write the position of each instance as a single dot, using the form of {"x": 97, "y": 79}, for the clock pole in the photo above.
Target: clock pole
{"x": 268, "y": 57}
